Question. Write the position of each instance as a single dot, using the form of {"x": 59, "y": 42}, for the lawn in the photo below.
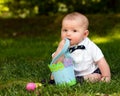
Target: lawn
{"x": 26, "y": 53}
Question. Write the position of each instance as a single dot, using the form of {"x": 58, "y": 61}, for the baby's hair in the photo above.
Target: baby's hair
{"x": 77, "y": 16}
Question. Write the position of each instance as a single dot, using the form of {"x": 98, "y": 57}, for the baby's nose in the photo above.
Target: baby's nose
{"x": 68, "y": 33}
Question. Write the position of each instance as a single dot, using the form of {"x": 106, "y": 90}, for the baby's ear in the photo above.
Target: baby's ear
{"x": 86, "y": 33}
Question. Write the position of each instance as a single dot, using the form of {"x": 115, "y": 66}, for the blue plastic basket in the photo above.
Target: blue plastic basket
{"x": 63, "y": 72}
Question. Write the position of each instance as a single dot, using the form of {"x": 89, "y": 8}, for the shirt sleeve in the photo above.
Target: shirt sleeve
{"x": 96, "y": 52}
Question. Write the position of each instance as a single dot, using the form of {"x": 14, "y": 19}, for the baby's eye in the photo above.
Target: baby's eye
{"x": 65, "y": 30}
{"x": 74, "y": 30}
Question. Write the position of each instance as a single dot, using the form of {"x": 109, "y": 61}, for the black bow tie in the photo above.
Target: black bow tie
{"x": 71, "y": 49}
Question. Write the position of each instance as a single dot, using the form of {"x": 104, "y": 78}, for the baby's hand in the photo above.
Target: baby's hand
{"x": 106, "y": 78}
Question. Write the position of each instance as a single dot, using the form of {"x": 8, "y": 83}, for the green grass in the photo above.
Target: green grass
{"x": 25, "y": 58}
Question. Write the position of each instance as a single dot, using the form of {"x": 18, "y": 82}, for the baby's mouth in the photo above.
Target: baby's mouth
{"x": 69, "y": 39}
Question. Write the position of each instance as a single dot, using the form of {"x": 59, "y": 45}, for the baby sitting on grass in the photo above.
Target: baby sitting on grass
{"x": 90, "y": 64}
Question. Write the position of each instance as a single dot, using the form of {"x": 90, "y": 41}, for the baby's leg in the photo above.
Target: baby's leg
{"x": 51, "y": 81}
{"x": 94, "y": 77}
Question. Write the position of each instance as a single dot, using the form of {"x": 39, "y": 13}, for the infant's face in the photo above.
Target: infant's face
{"x": 73, "y": 30}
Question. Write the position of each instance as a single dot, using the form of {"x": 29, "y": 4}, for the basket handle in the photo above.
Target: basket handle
{"x": 64, "y": 49}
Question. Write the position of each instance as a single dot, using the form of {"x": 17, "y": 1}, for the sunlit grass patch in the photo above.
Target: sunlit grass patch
{"x": 114, "y": 35}
{"x": 101, "y": 40}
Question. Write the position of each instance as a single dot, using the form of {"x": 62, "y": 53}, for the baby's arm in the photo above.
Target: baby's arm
{"x": 59, "y": 48}
{"x": 105, "y": 70}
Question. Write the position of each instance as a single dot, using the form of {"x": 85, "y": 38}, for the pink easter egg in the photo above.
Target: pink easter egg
{"x": 31, "y": 86}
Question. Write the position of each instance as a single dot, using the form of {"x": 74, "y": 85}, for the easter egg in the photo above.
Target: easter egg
{"x": 31, "y": 86}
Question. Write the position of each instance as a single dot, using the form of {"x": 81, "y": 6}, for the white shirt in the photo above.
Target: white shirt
{"x": 85, "y": 58}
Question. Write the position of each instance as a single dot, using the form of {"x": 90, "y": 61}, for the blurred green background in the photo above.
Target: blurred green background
{"x": 33, "y": 17}
{"x": 28, "y": 8}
